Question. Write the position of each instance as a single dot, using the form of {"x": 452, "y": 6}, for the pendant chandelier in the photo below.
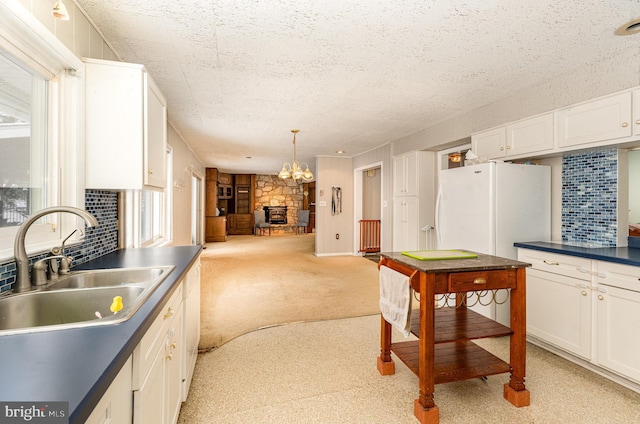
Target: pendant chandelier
{"x": 294, "y": 170}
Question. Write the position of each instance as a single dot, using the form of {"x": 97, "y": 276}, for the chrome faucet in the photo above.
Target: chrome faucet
{"x": 19, "y": 250}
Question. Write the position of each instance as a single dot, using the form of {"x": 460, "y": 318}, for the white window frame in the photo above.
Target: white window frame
{"x": 26, "y": 39}
{"x": 131, "y": 211}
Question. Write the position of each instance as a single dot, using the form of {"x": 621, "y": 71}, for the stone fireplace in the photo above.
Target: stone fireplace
{"x": 271, "y": 192}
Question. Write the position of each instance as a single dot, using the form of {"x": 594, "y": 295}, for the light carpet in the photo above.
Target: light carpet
{"x": 252, "y": 282}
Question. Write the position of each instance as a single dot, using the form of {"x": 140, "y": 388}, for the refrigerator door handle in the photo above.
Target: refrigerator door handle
{"x": 437, "y": 217}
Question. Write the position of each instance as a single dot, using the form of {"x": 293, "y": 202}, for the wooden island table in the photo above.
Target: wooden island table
{"x": 444, "y": 351}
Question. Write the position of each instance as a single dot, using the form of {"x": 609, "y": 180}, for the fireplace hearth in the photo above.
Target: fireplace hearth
{"x": 275, "y": 214}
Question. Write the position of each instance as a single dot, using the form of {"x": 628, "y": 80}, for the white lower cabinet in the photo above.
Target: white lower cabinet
{"x": 191, "y": 334}
{"x": 174, "y": 353}
{"x": 618, "y": 326}
{"x": 559, "y": 311}
{"x": 587, "y": 308}
{"x": 157, "y": 367}
{"x": 115, "y": 405}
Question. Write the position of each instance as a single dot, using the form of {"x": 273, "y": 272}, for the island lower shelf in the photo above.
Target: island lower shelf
{"x": 456, "y": 357}
{"x": 453, "y": 324}
{"x": 453, "y": 361}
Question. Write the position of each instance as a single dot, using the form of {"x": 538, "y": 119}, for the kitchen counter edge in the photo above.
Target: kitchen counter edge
{"x": 621, "y": 255}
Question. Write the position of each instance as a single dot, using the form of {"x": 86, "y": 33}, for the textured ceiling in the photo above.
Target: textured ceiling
{"x": 350, "y": 74}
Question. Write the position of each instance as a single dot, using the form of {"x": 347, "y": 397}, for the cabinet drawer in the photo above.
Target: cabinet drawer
{"x": 480, "y": 280}
{"x": 617, "y": 275}
{"x": 569, "y": 266}
{"x": 153, "y": 339}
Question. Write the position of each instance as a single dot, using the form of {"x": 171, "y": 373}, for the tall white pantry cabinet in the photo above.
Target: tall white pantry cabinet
{"x": 413, "y": 199}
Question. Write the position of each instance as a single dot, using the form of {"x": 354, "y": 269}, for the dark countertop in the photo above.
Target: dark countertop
{"x": 78, "y": 365}
{"x": 621, "y": 255}
{"x": 481, "y": 263}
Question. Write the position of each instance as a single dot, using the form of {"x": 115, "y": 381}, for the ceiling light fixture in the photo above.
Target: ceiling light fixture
{"x": 631, "y": 27}
{"x": 294, "y": 170}
{"x": 59, "y": 11}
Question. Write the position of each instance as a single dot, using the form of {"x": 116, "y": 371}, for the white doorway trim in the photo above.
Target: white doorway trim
{"x": 357, "y": 204}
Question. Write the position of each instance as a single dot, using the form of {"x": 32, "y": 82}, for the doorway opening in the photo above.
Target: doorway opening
{"x": 368, "y": 234}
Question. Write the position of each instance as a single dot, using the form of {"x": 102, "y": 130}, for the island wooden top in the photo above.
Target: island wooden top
{"x": 481, "y": 263}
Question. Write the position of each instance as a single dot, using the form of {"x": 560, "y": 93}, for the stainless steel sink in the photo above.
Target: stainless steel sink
{"x": 80, "y": 299}
{"x": 109, "y": 277}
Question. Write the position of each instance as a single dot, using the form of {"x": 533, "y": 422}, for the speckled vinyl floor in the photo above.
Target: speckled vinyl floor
{"x": 325, "y": 372}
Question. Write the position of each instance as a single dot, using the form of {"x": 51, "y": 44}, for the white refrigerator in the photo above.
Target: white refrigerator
{"x": 487, "y": 207}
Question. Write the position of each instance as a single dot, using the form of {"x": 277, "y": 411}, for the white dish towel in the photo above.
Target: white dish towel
{"x": 395, "y": 299}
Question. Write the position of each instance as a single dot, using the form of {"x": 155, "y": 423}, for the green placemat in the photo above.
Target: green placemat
{"x": 434, "y": 255}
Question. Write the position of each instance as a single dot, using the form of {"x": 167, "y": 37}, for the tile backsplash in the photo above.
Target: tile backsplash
{"x": 98, "y": 241}
{"x": 590, "y": 196}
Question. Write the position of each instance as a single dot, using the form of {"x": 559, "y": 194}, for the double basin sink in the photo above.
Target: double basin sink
{"x": 80, "y": 299}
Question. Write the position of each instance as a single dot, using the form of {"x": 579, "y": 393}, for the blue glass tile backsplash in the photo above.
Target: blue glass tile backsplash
{"x": 98, "y": 241}
{"x": 589, "y": 197}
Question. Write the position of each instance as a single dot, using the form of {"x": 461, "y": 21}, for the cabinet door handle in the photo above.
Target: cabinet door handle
{"x": 480, "y": 280}
{"x": 508, "y": 147}
{"x": 625, "y": 124}
{"x": 150, "y": 172}
{"x": 637, "y": 121}
{"x": 601, "y": 297}
{"x": 169, "y": 356}
{"x": 501, "y": 148}
{"x": 584, "y": 292}
{"x": 174, "y": 345}
{"x": 551, "y": 262}
{"x": 169, "y": 313}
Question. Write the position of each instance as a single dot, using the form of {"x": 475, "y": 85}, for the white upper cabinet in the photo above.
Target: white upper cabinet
{"x": 405, "y": 174}
{"x": 490, "y": 144}
{"x": 126, "y": 127}
{"x": 526, "y": 136}
{"x": 636, "y": 112}
{"x": 595, "y": 121}
{"x": 530, "y": 135}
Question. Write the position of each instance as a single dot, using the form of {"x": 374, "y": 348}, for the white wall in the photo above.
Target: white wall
{"x": 78, "y": 33}
{"x": 588, "y": 82}
{"x": 334, "y": 172}
{"x": 185, "y": 164}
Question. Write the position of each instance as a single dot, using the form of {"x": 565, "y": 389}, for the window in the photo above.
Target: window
{"x": 38, "y": 127}
{"x": 23, "y": 142}
{"x": 147, "y": 214}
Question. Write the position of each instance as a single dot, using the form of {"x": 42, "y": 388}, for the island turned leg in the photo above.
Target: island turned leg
{"x": 514, "y": 391}
{"x": 424, "y": 408}
{"x": 385, "y": 363}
